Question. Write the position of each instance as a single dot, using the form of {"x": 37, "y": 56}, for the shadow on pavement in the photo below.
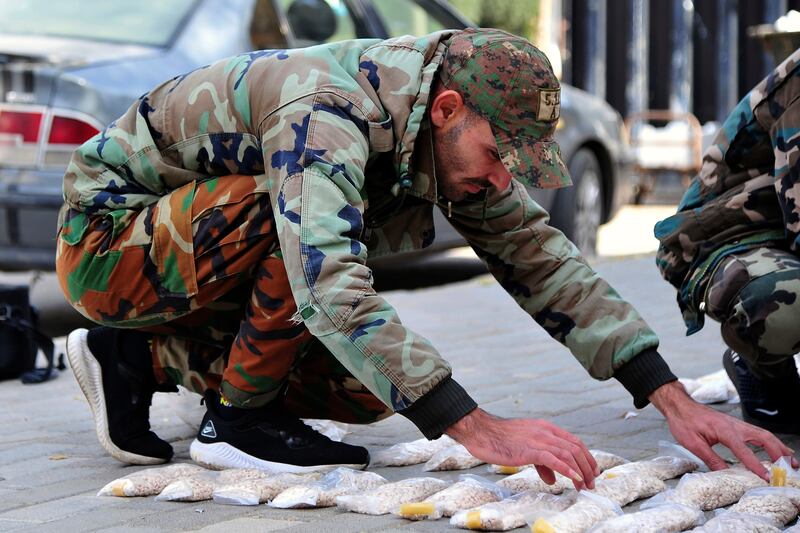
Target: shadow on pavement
{"x": 426, "y": 271}
{"x": 58, "y": 318}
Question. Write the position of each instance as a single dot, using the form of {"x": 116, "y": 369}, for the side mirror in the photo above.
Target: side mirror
{"x": 311, "y": 20}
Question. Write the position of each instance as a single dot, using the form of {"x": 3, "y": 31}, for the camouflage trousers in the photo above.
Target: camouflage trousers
{"x": 236, "y": 334}
{"x": 754, "y": 295}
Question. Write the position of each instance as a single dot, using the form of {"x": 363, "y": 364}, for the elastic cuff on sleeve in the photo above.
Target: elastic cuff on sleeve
{"x": 443, "y": 406}
{"x": 643, "y": 374}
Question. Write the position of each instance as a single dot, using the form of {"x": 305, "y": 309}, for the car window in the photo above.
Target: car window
{"x": 318, "y": 21}
{"x": 148, "y": 22}
{"x": 406, "y": 17}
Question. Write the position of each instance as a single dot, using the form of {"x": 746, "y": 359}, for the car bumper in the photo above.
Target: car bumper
{"x": 29, "y": 204}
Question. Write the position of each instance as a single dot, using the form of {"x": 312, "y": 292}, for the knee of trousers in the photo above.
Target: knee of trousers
{"x": 761, "y": 320}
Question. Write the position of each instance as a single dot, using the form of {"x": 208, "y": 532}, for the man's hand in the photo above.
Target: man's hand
{"x": 523, "y": 441}
{"x": 698, "y": 428}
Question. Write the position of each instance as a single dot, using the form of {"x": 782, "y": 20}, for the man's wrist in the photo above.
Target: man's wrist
{"x": 466, "y": 425}
{"x": 644, "y": 374}
{"x": 440, "y": 408}
{"x": 670, "y": 398}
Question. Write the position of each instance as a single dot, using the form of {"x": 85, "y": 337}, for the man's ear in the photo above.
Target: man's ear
{"x": 446, "y": 106}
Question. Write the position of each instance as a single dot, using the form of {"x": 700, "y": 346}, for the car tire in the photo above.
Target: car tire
{"x": 578, "y": 210}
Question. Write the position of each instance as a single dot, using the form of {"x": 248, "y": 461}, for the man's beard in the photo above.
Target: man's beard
{"x": 446, "y": 161}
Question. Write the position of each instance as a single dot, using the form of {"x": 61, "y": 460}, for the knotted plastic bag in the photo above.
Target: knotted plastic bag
{"x": 410, "y": 453}
{"x": 664, "y": 518}
{"x": 323, "y": 493}
{"x": 251, "y": 487}
{"x": 470, "y": 491}
{"x": 625, "y": 487}
{"x": 530, "y": 480}
{"x": 455, "y": 457}
{"x": 781, "y": 474}
{"x": 779, "y": 505}
{"x": 150, "y": 481}
{"x": 710, "y": 490}
{"x": 385, "y": 498}
{"x": 604, "y": 460}
{"x": 589, "y": 509}
{"x": 511, "y": 513}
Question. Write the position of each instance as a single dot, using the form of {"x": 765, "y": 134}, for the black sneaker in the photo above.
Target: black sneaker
{"x": 120, "y": 403}
{"x": 772, "y": 404}
{"x": 271, "y": 439}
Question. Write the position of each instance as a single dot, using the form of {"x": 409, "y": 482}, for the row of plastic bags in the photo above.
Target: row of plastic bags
{"x": 759, "y": 508}
{"x": 522, "y": 497}
{"x": 190, "y": 483}
{"x": 545, "y": 511}
{"x": 445, "y": 453}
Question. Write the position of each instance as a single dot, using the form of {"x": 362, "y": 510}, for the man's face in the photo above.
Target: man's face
{"x": 466, "y": 157}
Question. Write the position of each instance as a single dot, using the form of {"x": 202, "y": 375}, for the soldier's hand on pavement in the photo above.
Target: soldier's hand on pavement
{"x": 698, "y": 427}
{"x": 522, "y": 441}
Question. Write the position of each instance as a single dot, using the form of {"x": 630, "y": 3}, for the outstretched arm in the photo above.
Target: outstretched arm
{"x": 523, "y": 441}
{"x": 698, "y": 428}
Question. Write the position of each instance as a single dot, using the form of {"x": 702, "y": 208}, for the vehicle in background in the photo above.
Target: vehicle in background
{"x": 68, "y": 68}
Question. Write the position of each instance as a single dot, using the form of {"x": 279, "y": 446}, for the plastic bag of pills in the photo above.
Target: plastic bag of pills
{"x": 589, "y": 509}
{"x": 249, "y": 489}
{"x": 510, "y": 513}
{"x": 150, "y": 481}
{"x": 665, "y": 518}
{"x": 454, "y": 457}
{"x": 385, "y": 498}
{"x": 470, "y": 491}
{"x": 323, "y": 493}
{"x": 410, "y": 453}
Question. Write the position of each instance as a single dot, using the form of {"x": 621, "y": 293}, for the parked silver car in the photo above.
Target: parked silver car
{"x": 68, "y": 68}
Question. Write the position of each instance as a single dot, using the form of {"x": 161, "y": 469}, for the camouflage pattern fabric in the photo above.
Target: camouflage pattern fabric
{"x": 755, "y": 296}
{"x": 236, "y": 334}
{"x": 745, "y": 194}
{"x": 242, "y": 306}
{"x": 330, "y": 145}
{"x": 511, "y": 83}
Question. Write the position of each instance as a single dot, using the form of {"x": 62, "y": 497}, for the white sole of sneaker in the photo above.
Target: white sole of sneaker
{"x": 221, "y": 455}
{"x": 88, "y": 374}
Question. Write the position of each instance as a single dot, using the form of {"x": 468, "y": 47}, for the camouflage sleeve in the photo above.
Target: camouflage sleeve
{"x": 544, "y": 272}
{"x": 315, "y": 151}
{"x": 122, "y": 169}
{"x": 99, "y": 177}
{"x": 785, "y": 137}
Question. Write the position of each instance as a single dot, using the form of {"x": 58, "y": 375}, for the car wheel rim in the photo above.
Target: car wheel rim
{"x": 588, "y": 210}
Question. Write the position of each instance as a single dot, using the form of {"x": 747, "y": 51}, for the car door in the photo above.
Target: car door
{"x": 310, "y": 22}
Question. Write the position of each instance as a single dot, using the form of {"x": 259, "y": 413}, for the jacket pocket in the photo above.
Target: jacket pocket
{"x": 381, "y": 136}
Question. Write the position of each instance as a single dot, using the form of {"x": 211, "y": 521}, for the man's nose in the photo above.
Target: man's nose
{"x": 500, "y": 179}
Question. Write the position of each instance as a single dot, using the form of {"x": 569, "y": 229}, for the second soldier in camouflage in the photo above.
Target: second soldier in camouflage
{"x": 731, "y": 250}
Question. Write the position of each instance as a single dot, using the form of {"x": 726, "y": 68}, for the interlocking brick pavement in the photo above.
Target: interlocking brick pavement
{"x": 52, "y": 466}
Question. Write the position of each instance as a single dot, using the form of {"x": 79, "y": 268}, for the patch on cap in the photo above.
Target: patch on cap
{"x": 549, "y": 104}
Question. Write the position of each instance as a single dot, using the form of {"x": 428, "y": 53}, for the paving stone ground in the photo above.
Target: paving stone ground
{"x": 51, "y": 465}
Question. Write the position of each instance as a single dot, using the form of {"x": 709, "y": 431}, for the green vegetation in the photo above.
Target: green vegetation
{"x": 516, "y": 16}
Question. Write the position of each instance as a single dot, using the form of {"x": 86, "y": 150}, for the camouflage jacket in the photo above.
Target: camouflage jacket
{"x": 334, "y": 139}
{"x": 744, "y": 195}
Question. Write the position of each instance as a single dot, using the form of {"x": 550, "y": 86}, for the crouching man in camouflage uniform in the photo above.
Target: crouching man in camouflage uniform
{"x": 731, "y": 250}
{"x": 224, "y": 222}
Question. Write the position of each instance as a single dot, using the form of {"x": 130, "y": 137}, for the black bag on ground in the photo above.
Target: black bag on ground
{"x": 20, "y": 338}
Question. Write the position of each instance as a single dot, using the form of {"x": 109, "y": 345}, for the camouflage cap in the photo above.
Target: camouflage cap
{"x": 510, "y": 82}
